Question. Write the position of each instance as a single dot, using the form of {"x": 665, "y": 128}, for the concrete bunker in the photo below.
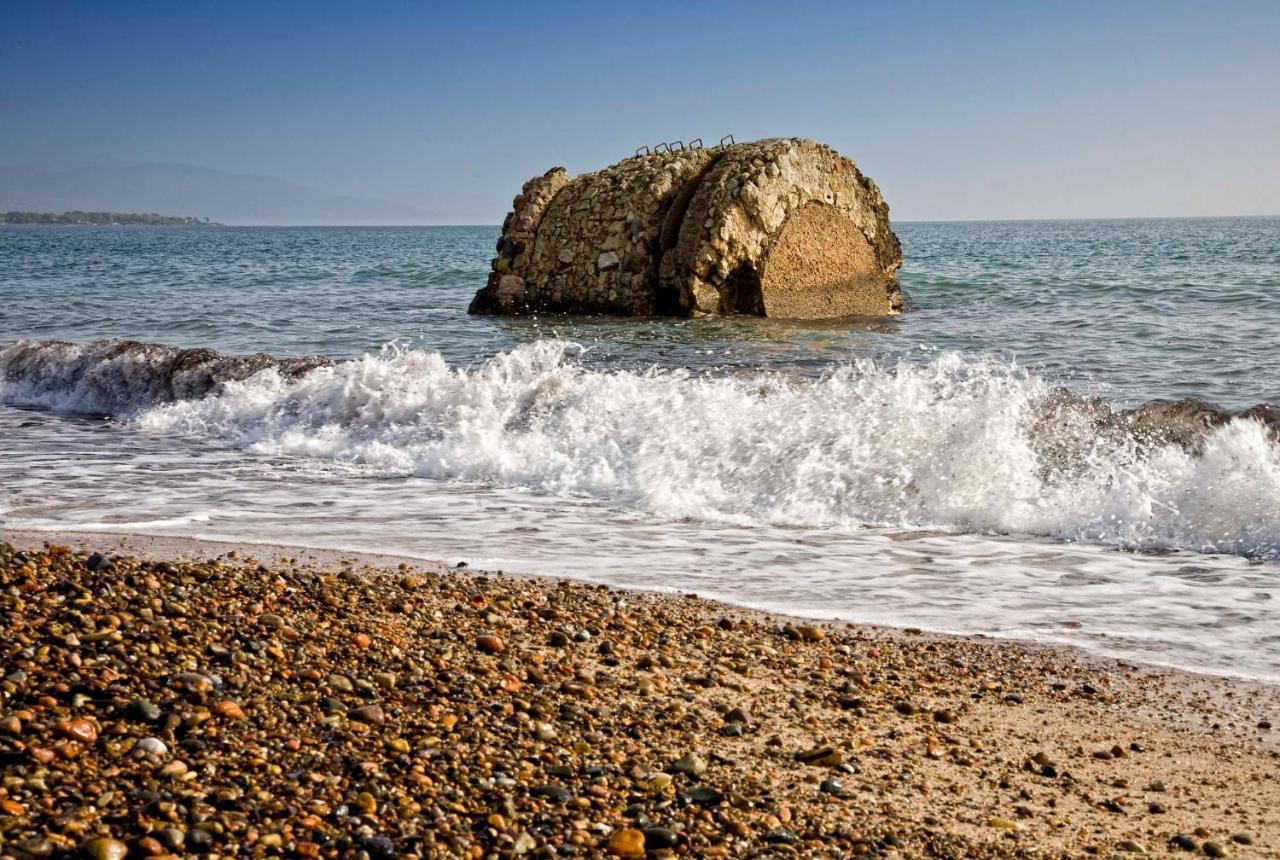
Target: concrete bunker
{"x": 779, "y": 228}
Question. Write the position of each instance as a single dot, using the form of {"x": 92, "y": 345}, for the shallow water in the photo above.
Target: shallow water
{"x": 883, "y": 471}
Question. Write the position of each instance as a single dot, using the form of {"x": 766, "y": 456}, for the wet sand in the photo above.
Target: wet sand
{"x": 180, "y": 697}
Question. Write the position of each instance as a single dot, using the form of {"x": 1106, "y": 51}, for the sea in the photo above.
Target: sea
{"x": 889, "y": 471}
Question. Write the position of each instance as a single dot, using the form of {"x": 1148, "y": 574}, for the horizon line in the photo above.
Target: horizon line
{"x": 498, "y": 224}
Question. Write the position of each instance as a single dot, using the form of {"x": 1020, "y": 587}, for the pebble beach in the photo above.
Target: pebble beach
{"x": 170, "y": 697}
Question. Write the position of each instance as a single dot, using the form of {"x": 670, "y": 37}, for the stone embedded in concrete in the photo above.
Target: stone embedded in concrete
{"x": 784, "y": 227}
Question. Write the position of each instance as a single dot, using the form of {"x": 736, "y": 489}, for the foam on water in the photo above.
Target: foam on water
{"x": 905, "y": 471}
{"x": 954, "y": 443}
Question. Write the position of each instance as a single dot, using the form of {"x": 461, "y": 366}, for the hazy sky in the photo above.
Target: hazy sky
{"x": 957, "y": 110}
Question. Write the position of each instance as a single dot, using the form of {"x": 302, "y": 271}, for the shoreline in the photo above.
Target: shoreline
{"x": 505, "y": 715}
{"x": 171, "y": 547}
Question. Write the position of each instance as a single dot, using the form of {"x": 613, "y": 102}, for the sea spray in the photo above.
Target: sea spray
{"x": 955, "y": 443}
{"x": 113, "y": 377}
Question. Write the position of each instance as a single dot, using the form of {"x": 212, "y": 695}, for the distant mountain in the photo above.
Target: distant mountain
{"x": 232, "y": 198}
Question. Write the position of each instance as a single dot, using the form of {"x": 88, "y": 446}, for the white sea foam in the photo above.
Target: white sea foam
{"x": 88, "y": 378}
{"x": 946, "y": 444}
{"x": 754, "y": 487}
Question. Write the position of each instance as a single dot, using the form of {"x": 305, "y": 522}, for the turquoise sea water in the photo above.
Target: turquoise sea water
{"x": 878, "y": 470}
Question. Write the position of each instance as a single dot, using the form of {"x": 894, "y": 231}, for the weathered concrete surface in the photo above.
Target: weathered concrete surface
{"x": 781, "y": 227}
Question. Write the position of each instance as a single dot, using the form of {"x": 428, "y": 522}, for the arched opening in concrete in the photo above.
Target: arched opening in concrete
{"x": 741, "y": 293}
{"x": 668, "y": 300}
{"x": 821, "y": 265}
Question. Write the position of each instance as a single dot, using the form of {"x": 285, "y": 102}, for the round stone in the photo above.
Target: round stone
{"x": 152, "y": 746}
{"x": 103, "y": 848}
{"x": 627, "y": 843}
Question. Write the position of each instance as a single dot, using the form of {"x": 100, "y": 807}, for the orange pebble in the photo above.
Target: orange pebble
{"x": 229, "y": 709}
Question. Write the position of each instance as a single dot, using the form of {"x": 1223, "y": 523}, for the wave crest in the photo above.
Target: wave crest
{"x": 113, "y": 377}
{"x": 958, "y": 443}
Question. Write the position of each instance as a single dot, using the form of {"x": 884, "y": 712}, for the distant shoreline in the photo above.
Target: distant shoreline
{"x": 105, "y": 219}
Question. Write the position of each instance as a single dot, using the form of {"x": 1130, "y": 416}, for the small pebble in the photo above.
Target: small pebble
{"x": 551, "y": 792}
{"x": 490, "y": 643}
{"x": 660, "y": 838}
{"x": 78, "y": 730}
{"x": 691, "y": 764}
{"x": 371, "y": 714}
{"x": 781, "y": 836}
{"x": 229, "y": 709}
{"x": 152, "y": 746}
{"x": 103, "y": 848}
{"x": 627, "y": 843}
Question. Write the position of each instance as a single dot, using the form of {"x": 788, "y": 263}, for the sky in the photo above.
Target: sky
{"x": 958, "y": 110}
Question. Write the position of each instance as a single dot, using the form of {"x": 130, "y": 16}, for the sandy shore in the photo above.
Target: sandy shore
{"x": 175, "y": 697}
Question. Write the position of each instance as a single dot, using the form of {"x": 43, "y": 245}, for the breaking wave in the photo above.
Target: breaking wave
{"x": 958, "y": 443}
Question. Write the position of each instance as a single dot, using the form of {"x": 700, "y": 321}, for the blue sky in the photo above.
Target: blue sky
{"x": 957, "y": 110}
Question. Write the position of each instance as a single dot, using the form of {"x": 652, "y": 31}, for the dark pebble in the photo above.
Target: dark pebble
{"x": 199, "y": 841}
{"x": 171, "y": 838}
{"x": 660, "y": 838}
{"x": 145, "y": 710}
{"x": 378, "y": 847}
{"x": 551, "y": 792}
{"x": 1185, "y": 842}
{"x": 781, "y": 836}
{"x": 706, "y": 796}
{"x": 34, "y": 847}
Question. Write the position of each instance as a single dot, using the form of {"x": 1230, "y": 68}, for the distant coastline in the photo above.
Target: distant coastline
{"x": 107, "y": 219}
